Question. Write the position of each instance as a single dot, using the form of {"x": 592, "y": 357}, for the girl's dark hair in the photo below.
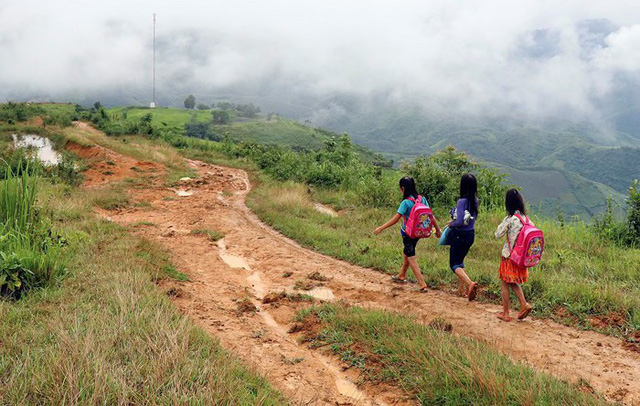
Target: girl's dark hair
{"x": 409, "y": 186}
{"x": 469, "y": 190}
{"x": 514, "y": 202}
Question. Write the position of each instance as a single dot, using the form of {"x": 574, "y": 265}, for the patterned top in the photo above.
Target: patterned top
{"x": 511, "y": 226}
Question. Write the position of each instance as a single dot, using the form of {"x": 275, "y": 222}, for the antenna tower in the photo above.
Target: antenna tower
{"x": 153, "y": 103}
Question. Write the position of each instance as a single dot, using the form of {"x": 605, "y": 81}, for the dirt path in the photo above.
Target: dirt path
{"x": 253, "y": 260}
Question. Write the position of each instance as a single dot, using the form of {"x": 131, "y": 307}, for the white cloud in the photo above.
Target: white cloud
{"x": 491, "y": 57}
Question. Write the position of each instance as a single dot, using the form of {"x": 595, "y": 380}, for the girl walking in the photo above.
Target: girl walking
{"x": 409, "y": 196}
{"x": 512, "y": 275}
{"x": 462, "y": 233}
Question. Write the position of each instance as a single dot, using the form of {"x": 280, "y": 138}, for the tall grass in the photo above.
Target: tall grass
{"x": 17, "y": 201}
{"x": 434, "y": 367}
{"x": 30, "y": 252}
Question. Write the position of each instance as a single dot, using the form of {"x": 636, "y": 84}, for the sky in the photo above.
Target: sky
{"x": 530, "y": 58}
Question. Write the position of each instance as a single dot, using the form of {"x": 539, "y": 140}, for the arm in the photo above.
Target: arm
{"x": 459, "y": 221}
{"x": 502, "y": 228}
{"x": 396, "y": 217}
{"x": 435, "y": 224}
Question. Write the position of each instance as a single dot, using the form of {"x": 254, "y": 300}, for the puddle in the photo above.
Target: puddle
{"x": 325, "y": 210}
{"x": 348, "y": 389}
{"x": 345, "y": 386}
{"x": 233, "y": 261}
{"x": 321, "y": 293}
{"x": 42, "y": 147}
{"x": 184, "y": 193}
{"x": 255, "y": 281}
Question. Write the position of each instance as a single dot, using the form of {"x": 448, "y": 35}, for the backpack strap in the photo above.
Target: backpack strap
{"x": 523, "y": 223}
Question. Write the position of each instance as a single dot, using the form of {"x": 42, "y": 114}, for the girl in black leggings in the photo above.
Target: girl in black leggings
{"x": 409, "y": 195}
{"x": 462, "y": 233}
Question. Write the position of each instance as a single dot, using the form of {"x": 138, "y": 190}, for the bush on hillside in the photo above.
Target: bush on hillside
{"x": 19, "y": 112}
{"x": 200, "y": 130}
{"x": 247, "y": 110}
{"x": 438, "y": 178}
{"x": 627, "y": 232}
{"x": 220, "y": 117}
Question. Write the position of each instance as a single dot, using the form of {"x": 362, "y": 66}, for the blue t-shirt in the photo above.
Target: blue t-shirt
{"x": 405, "y": 210}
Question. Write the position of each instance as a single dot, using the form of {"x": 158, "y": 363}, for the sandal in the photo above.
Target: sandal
{"x": 397, "y": 279}
{"x": 473, "y": 291}
{"x": 525, "y": 312}
{"x": 423, "y": 290}
{"x": 503, "y": 318}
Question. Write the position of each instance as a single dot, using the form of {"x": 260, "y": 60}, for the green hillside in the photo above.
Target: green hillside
{"x": 570, "y": 166}
{"x": 263, "y": 129}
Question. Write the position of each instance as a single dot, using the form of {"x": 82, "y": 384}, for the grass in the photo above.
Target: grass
{"x": 111, "y": 198}
{"x": 590, "y": 280}
{"x": 433, "y": 367}
{"x": 213, "y": 235}
{"x": 31, "y": 251}
{"x": 107, "y": 335}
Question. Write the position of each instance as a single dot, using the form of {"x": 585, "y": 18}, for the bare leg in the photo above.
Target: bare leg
{"x": 462, "y": 288}
{"x": 471, "y": 285}
{"x": 404, "y": 267}
{"x": 504, "y": 291}
{"x": 413, "y": 263}
{"x": 525, "y": 308}
{"x": 462, "y": 276}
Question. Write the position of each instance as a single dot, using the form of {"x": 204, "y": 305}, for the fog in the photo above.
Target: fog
{"x": 531, "y": 59}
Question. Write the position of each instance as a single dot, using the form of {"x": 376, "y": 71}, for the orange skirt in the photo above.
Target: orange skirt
{"x": 511, "y": 273}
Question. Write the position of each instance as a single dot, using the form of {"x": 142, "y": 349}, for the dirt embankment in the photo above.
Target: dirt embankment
{"x": 230, "y": 279}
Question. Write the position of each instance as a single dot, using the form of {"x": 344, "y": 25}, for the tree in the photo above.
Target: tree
{"x": 220, "y": 117}
{"x": 202, "y": 106}
{"x": 226, "y": 105}
{"x": 190, "y": 102}
{"x": 247, "y": 110}
{"x": 97, "y": 105}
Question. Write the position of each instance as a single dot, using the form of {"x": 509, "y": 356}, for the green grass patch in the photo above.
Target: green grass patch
{"x": 111, "y": 198}
{"x": 172, "y": 272}
{"x": 434, "y": 367}
{"x": 213, "y": 235}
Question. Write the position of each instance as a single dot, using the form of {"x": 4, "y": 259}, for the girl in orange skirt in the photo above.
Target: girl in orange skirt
{"x": 511, "y": 275}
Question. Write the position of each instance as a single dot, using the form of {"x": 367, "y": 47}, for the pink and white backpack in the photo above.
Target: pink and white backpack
{"x": 420, "y": 220}
{"x": 527, "y": 251}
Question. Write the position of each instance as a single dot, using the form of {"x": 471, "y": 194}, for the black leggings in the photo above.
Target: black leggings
{"x": 461, "y": 242}
{"x": 409, "y": 245}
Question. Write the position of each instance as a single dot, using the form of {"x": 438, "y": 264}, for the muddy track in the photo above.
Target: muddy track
{"x": 229, "y": 280}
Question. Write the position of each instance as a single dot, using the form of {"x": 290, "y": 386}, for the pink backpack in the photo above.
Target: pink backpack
{"x": 527, "y": 251}
{"x": 420, "y": 220}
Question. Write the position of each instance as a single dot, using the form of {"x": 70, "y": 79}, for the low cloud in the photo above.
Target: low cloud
{"x": 531, "y": 58}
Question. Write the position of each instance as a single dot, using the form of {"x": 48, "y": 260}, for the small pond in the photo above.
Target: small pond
{"x": 41, "y": 147}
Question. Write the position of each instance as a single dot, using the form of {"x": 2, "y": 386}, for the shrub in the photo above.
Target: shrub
{"x": 29, "y": 250}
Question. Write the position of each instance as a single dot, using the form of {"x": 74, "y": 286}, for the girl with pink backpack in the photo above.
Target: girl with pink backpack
{"x": 418, "y": 222}
{"x": 522, "y": 250}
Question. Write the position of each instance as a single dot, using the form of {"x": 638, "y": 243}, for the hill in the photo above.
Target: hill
{"x": 269, "y": 129}
{"x": 574, "y": 166}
